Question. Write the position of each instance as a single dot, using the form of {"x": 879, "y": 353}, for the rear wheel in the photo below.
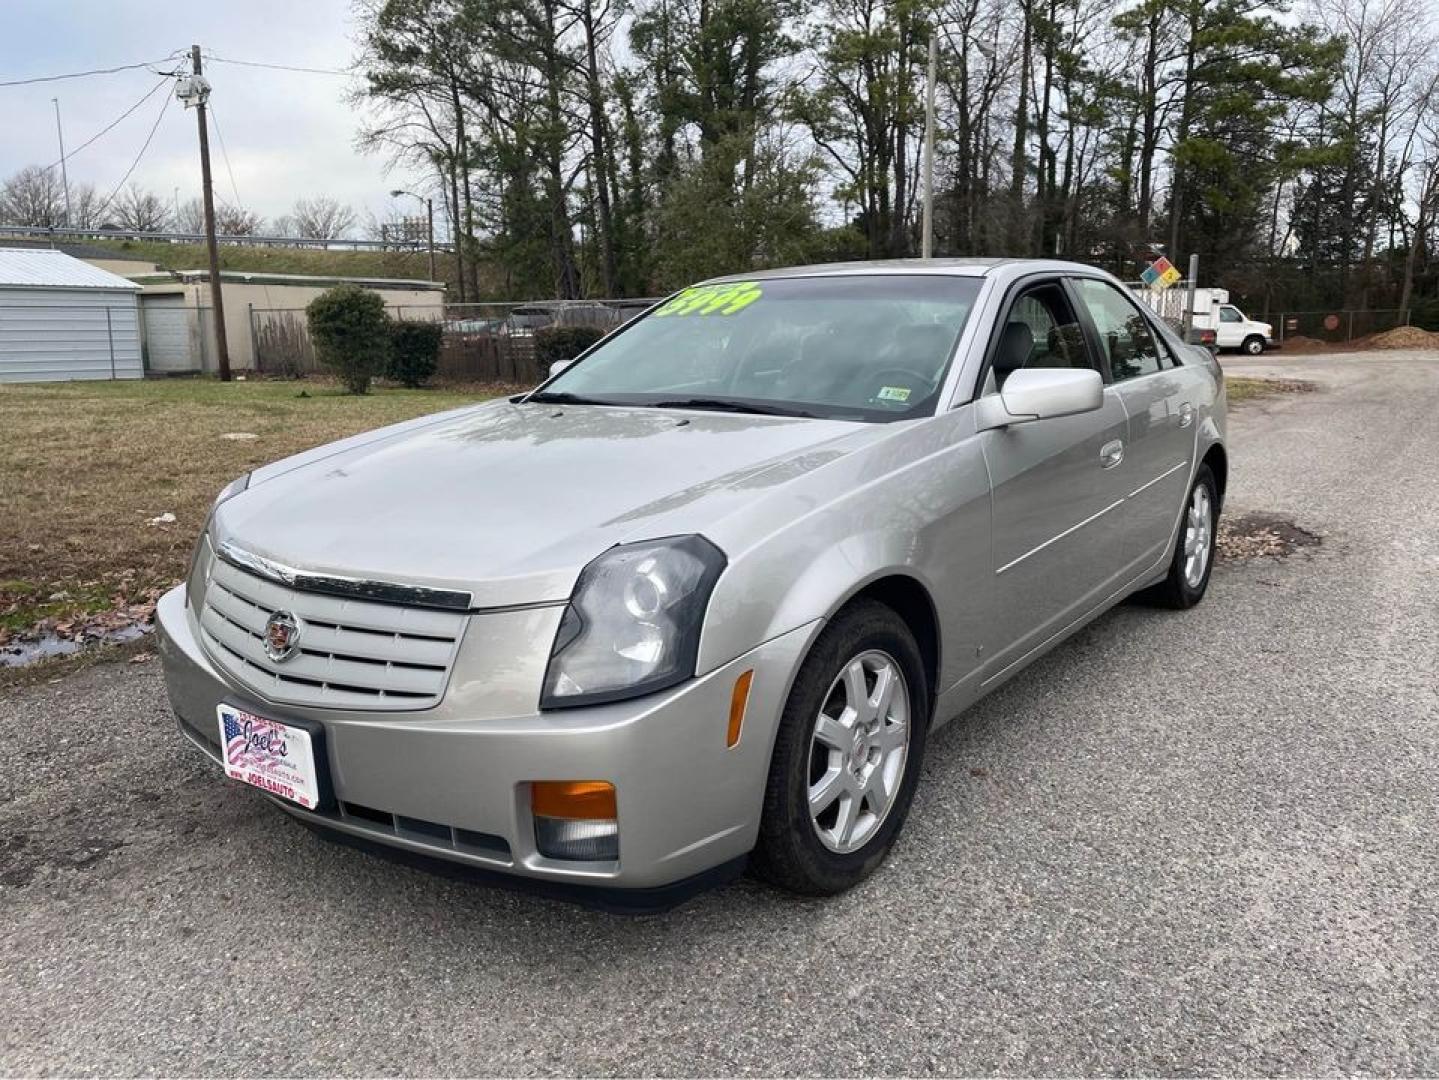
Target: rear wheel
{"x": 847, "y": 754}
{"x": 1253, "y": 345}
{"x": 1193, "y": 560}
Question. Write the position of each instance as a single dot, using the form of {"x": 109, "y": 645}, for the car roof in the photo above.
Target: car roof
{"x": 966, "y": 267}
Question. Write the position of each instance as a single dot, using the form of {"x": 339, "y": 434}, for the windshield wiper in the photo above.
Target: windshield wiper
{"x": 730, "y": 405}
{"x": 564, "y": 397}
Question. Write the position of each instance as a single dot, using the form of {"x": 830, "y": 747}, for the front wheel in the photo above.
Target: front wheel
{"x": 847, "y": 755}
{"x": 1253, "y": 345}
{"x": 1193, "y": 560}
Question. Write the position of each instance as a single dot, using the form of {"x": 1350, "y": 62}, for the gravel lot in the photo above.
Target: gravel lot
{"x": 1189, "y": 843}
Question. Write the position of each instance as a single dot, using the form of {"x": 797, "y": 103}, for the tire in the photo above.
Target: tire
{"x": 1253, "y": 345}
{"x": 1181, "y": 588}
{"x": 812, "y": 852}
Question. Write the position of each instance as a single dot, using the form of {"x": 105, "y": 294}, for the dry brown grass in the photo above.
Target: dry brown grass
{"x": 1242, "y": 389}
{"x": 84, "y": 467}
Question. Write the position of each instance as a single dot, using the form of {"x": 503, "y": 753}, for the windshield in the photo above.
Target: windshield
{"x": 854, "y": 347}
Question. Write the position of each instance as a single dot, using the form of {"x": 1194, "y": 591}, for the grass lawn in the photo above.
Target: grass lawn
{"x": 84, "y": 467}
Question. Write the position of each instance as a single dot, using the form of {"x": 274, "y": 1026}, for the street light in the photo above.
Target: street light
{"x": 430, "y": 212}
{"x": 64, "y": 173}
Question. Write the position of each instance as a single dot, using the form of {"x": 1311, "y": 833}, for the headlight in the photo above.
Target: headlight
{"x": 633, "y": 624}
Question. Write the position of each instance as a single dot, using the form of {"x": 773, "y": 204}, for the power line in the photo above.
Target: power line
{"x": 82, "y": 74}
{"x": 155, "y": 127}
{"x": 148, "y": 94}
{"x": 225, "y": 154}
{"x": 276, "y": 67}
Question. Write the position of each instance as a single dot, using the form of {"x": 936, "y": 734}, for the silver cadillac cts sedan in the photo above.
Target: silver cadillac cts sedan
{"x": 700, "y": 598}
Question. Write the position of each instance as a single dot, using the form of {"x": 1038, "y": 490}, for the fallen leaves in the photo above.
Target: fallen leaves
{"x": 1257, "y": 535}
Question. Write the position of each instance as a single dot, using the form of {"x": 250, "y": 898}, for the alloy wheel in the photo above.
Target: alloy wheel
{"x": 1198, "y": 536}
{"x": 858, "y": 751}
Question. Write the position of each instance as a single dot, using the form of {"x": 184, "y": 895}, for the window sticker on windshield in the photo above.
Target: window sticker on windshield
{"x": 724, "y": 299}
{"x": 893, "y": 393}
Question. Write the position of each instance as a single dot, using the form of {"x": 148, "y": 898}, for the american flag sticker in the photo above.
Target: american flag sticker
{"x": 273, "y": 756}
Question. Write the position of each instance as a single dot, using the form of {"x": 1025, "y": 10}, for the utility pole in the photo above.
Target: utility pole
{"x": 64, "y": 174}
{"x": 927, "y": 240}
{"x": 430, "y": 211}
{"x": 222, "y": 348}
{"x": 1189, "y": 300}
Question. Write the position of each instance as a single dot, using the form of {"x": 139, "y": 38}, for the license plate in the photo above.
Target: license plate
{"x": 274, "y": 757}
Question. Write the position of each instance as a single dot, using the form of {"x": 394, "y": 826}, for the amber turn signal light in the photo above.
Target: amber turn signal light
{"x": 737, "y": 702}
{"x": 573, "y": 800}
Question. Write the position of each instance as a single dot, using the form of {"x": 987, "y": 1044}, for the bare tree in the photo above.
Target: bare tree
{"x": 138, "y": 210}
{"x": 33, "y": 196}
{"x": 85, "y": 204}
{"x": 237, "y": 221}
{"x": 190, "y": 218}
{"x": 322, "y": 218}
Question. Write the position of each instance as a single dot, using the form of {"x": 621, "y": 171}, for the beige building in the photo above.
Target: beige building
{"x": 264, "y": 316}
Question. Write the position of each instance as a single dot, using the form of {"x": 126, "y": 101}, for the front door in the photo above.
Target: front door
{"x": 1158, "y": 396}
{"x": 1057, "y": 527}
{"x": 1230, "y": 332}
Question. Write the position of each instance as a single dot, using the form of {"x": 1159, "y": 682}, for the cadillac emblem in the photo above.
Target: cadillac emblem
{"x": 282, "y": 636}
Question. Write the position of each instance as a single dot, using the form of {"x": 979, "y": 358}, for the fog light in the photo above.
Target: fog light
{"x": 575, "y": 820}
{"x": 577, "y": 841}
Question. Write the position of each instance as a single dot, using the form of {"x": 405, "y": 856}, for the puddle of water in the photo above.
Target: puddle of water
{"x": 22, "y": 653}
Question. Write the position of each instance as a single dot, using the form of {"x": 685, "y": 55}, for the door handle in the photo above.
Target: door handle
{"x": 1111, "y": 454}
{"x": 1186, "y": 414}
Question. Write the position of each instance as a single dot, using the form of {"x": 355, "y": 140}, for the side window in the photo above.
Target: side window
{"x": 1229, "y": 314}
{"x": 1040, "y": 331}
{"x": 1124, "y": 335}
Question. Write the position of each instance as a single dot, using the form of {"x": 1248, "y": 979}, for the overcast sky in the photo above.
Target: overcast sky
{"x": 288, "y": 134}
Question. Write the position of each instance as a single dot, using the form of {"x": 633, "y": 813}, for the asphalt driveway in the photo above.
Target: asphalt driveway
{"x": 1182, "y": 843}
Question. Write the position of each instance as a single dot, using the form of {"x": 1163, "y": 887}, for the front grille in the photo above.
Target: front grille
{"x": 433, "y": 833}
{"x": 353, "y": 654}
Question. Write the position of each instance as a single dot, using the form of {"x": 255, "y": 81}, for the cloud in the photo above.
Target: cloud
{"x": 286, "y": 134}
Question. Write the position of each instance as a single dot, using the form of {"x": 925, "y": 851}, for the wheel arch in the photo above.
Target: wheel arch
{"x": 1218, "y": 461}
{"x": 907, "y": 597}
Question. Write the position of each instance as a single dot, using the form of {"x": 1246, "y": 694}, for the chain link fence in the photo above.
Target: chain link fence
{"x": 1337, "y": 327}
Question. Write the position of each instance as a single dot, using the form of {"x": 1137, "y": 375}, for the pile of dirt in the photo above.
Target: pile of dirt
{"x": 1405, "y": 337}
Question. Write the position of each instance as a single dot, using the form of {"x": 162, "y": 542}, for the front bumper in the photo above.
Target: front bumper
{"x": 443, "y": 785}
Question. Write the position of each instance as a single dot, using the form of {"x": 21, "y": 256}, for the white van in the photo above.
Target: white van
{"x": 1212, "y": 311}
{"x": 1232, "y": 328}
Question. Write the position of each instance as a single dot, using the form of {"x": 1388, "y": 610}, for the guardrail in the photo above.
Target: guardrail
{"x": 45, "y": 232}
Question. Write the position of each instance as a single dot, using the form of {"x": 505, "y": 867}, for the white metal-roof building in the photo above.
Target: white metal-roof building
{"x": 61, "y": 318}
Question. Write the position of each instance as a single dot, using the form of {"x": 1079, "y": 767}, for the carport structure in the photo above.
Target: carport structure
{"x": 62, "y": 319}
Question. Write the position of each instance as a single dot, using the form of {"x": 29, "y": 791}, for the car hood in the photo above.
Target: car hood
{"x": 509, "y": 502}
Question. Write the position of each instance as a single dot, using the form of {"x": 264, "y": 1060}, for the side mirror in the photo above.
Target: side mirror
{"x": 559, "y": 366}
{"x": 1040, "y": 394}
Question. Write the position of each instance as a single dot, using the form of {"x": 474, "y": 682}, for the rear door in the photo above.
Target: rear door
{"x": 1158, "y": 398}
{"x": 1057, "y": 531}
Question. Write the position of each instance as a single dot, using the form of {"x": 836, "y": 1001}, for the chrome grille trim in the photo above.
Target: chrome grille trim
{"x": 380, "y": 592}
{"x": 353, "y": 653}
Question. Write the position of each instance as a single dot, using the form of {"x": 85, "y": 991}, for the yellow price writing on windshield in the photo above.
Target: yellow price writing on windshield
{"x": 723, "y": 299}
